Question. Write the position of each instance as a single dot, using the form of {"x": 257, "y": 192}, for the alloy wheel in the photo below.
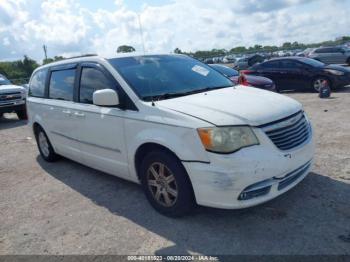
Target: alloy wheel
{"x": 318, "y": 83}
{"x": 162, "y": 184}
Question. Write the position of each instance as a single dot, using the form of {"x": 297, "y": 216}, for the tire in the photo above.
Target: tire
{"x": 1, "y": 115}
{"x": 171, "y": 194}
{"x": 316, "y": 83}
{"x": 22, "y": 114}
{"x": 44, "y": 145}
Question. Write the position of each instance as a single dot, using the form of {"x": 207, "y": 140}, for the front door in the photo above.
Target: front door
{"x": 100, "y": 129}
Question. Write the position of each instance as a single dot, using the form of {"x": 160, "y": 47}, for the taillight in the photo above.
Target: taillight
{"x": 247, "y": 72}
{"x": 242, "y": 80}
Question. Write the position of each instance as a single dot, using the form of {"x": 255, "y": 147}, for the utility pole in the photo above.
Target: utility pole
{"x": 141, "y": 33}
{"x": 45, "y": 51}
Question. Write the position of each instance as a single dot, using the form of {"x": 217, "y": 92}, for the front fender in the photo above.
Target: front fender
{"x": 183, "y": 142}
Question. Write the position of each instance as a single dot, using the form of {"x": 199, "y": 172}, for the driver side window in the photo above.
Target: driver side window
{"x": 92, "y": 80}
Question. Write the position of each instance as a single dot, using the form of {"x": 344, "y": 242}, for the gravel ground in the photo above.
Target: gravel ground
{"x": 66, "y": 208}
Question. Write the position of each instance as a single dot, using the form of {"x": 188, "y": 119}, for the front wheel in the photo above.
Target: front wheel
{"x": 166, "y": 184}
{"x": 318, "y": 82}
{"x": 22, "y": 114}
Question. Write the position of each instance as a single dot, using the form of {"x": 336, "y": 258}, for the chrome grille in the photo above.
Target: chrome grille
{"x": 10, "y": 96}
{"x": 289, "y": 132}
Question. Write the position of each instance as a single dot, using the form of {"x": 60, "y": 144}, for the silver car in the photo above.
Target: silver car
{"x": 331, "y": 55}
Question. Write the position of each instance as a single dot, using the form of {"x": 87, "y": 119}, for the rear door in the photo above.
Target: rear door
{"x": 101, "y": 129}
{"x": 62, "y": 127}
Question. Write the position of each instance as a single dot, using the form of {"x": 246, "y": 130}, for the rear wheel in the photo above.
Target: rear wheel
{"x": 166, "y": 184}
{"x": 45, "y": 148}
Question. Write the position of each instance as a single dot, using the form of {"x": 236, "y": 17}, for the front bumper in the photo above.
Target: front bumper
{"x": 12, "y": 106}
{"x": 221, "y": 182}
{"x": 341, "y": 81}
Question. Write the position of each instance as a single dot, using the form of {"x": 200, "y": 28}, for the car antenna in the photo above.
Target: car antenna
{"x": 144, "y": 53}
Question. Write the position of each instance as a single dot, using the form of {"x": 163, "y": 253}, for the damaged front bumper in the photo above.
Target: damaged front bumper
{"x": 250, "y": 176}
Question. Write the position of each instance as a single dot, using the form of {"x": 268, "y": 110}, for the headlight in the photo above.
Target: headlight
{"x": 227, "y": 139}
{"x": 334, "y": 72}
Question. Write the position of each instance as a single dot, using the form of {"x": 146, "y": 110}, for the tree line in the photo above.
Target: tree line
{"x": 20, "y": 71}
{"x": 259, "y": 48}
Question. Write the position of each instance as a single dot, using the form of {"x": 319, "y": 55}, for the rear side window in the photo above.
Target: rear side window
{"x": 37, "y": 84}
{"x": 91, "y": 80}
{"x": 62, "y": 84}
{"x": 326, "y": 50}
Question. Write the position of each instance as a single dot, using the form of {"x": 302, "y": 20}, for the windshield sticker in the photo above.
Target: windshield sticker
{"x": 200, "y": 70}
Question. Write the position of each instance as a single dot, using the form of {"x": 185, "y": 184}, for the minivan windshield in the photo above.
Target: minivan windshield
{"x": 167, "y": 76}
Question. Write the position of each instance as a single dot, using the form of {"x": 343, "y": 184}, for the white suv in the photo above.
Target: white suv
{"x": 173, "y": 124}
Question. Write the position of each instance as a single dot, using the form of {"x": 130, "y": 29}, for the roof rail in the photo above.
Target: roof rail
{"x": 87, "y": 55}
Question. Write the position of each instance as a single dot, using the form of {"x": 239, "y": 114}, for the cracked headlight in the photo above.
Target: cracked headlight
{"x": 226, "y": 140}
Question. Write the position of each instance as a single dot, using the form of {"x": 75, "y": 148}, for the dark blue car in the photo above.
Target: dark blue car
{"x": 300, "y": 73}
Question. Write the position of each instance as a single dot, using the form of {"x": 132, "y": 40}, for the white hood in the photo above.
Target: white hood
{"x": 11, "y": 88}
{"x": 239, "y": 105}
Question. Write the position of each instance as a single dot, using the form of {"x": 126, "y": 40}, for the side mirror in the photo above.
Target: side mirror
{"x": 105, "y": 97}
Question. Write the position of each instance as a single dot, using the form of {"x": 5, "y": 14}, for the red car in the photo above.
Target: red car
{"x": 248, "y": 80}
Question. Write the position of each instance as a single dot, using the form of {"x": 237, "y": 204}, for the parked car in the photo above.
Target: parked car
{"x": 246, "y": 62}
{"x": 301, "y": 73}
{"x": 331, "y": 55}
{"x": 306, "y": 52}
{"x": 249, "y": 80}
{"x": 174, "y": 125}
{"x": 12, "y": 98}
{"x": 228, "y": 59}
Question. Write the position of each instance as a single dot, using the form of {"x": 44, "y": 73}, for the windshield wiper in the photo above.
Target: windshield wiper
{"x": 173, "y": 95}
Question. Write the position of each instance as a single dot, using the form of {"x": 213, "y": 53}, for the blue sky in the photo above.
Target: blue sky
{"x": 74, "y": 27}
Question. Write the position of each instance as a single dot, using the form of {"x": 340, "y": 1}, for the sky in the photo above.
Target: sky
{"x": 70, "y": 28}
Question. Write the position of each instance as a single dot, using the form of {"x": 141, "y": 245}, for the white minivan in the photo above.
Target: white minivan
{"x": 174, "y": 125}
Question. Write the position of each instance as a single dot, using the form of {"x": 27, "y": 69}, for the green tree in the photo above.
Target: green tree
{"x": 125, "y": 49}
{"x": 50, "y": 60}
{"x": 177, "y": 51}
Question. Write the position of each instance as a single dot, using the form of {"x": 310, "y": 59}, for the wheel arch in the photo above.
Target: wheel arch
{"x": 321, "y": 76}
{"x": 144, "y": 149}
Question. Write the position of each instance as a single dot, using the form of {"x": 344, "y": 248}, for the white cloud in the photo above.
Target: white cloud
{"x": 67, "y": 27}
{"x": 6, "y": 41}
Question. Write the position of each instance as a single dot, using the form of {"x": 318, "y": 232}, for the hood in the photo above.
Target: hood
{"x": 239, "y": 105}
{"x": 11, "y": 88}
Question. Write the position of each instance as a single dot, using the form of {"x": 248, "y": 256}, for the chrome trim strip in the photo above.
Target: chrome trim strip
{"x": 86, "y": 143}
{"x": 285, "y": 123}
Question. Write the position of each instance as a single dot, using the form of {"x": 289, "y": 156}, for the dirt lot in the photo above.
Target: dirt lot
{"x": 66, "y": 208}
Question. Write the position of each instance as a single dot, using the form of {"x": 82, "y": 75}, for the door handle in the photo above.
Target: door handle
{"x": 79, "y": 114}
{"x": 67, "y": 112}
